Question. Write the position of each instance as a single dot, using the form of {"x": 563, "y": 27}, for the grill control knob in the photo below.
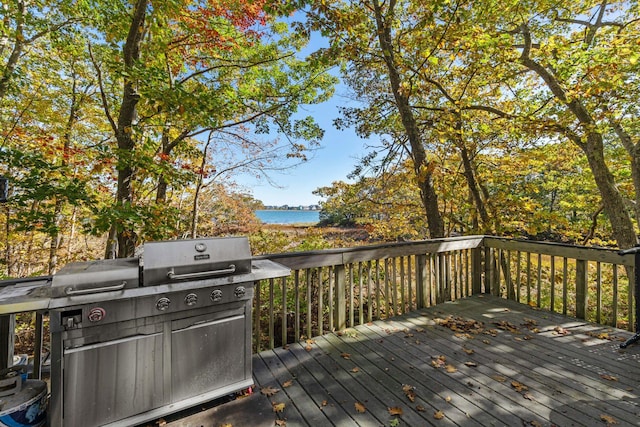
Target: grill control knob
{"x": 191, "y": 299}
{"x": 163, "y": 303}
{"x": 240, "y": 291}
{"x": 216, "y": 295}
{"x": 96, "y": 314}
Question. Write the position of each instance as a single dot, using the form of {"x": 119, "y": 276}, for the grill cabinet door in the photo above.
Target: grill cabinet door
{"x": 209, "y": 356}
{"x": 109, "y": 381}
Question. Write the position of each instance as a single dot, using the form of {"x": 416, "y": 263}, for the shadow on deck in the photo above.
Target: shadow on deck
{"x": 479, "y": 361}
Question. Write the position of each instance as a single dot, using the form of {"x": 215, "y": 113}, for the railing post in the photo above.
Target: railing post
{"x": 421, "y": 281}
{"x": 582, "y": 294}
{"x": 7, "y": 338}
{"x": 341, "y": 300}
{"x": 476, "y": 271}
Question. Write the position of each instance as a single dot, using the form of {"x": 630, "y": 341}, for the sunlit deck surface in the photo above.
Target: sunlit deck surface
{"x": 440, "y": 366}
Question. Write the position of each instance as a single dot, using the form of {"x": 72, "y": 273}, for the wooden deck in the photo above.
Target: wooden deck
{"x": 440, "y": 366}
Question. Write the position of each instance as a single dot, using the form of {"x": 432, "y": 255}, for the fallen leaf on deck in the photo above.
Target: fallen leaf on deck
{"x": 499, "y": 378}
{"x": 506, "y": 326}
{"x": 471, "y": 364}
{"x": 278, "y": 407}
{"x": 356, "y": 369}
{"x": 438, "y": 415}
{"x": 451, "y": 369}
{"x": 419, "y": 329}
{"x": 285, "y": 347}
{"x": 609, "y": 377}
{"x": 447, "y": 399}
{"x": 287, "y": 383}
{"x": 226, "y": 425}
{"x": 486, "y": 342}
{"x": 324, "y": 403}
{"x": 346, "y": 356}
{"x": 360, "y": 407}
{"x": 395, "y": 410}
{"x": 561, "y": 331}
{"x": 528, "y": 396}
{"x": 161, "y": 422}
{"x": 281, "y": 423}
{"x": 468, "y": 350}
{"x": 409, "y": 391}
{"x": 519, "y": 386}
{"x": 310, "y": 341}
{"x": 608, "y": 419}
{"x": 439, "y": 362}
{"x": 269, "y": 391}
{"x": 535, "y": 423}
{"x": 308, "y": 347}
{"x": 420, "y": 408}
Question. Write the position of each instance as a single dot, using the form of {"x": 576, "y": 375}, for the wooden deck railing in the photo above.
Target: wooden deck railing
{"x": 336, "y": 289}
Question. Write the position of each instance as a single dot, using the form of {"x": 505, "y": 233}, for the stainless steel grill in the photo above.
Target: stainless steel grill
{"x": 136, "y": 339}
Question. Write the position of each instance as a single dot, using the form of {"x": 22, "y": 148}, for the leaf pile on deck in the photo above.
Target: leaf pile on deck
{"x": 461, "y": 326}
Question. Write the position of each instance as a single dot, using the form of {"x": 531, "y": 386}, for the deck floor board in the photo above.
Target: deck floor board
{"x": 565, "y": 372}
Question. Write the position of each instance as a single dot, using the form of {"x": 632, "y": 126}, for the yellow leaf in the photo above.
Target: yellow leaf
{"x": 450, "y": 369}
{"x": 287, "y": 383}
{"x": 360, "y": 407}
{"x": 281, "y": 423}
{"x": 395, "y": 410}
{"x": 438, "y": 415}
{"x": 278, "y": 407}
{"x": 519, "y": 386}
{"x": 608, "y": 419}
{"x": 468, "y": 350}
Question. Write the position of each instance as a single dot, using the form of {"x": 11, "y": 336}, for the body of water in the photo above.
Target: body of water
{"x": 288, "y": 217}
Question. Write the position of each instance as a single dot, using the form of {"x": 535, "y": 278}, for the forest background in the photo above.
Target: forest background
{"x": 123, "y": 122}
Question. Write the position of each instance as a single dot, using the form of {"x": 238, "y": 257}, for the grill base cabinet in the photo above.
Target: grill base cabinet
{"x": 125, "y": 371}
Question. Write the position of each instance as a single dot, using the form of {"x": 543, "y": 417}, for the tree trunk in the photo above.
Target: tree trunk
{"x": 591, "y": 143}
{"x": 127, "y": 238}
{"x": 423, "y": 168}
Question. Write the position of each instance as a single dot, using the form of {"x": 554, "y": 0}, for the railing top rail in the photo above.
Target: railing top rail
{"x": 330, "y": 257}
{"x": 560, "y": 249}
{"x": 341, "y": 256}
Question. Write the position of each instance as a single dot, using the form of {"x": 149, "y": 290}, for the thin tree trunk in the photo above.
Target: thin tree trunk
{"x": 127, "y": 238}
{"x": 423, "y": 168}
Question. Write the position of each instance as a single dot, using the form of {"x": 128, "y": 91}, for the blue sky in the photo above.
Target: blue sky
{"x": 333, "y": 161}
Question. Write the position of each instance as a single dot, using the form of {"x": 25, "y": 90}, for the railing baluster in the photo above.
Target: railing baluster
{"x": 320, "y": 301}
{"x": 271, "y": 319}
{"x": 387, "y": 295}
{"x": 257, "y": 312}
{"x": 330, "y": 297}
{"x": 403, "y": 298}
{"x": 360, "y": 299}
{"x": 631, "y": 300}
{"x": 377, "y": 283}
{"x": 297, "y": 303}
{"x": 599, "y": 292}
{"x": 351, "y": 325}
{"x": 528, "y": 277}
{"x": 309, "y": 276}
{"x": 518, "y": 282}
{"x": 410, "y": 283}
{"x": 615, "y": 297}
{"x": 284, "y": 310}
{"x": 565, "y": 273}
{"x": 369, "y": 296}
{"x": 539, "y": 284}
{"x": 553, "y": 284}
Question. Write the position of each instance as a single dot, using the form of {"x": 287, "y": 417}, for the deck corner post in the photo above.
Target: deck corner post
{"x": 476, "y": 271}
{"x": 341, "y": 300}
{"x": 582, "y": 293}
{"x": 421, "y": 281}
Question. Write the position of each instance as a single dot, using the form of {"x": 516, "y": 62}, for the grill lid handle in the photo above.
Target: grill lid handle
{"x": 71, "y": 292}
{"x": 200, "y": 274}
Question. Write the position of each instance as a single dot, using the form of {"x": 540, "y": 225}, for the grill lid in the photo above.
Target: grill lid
{"x": 179, "y": 260}
{"x": 79, "y": 278}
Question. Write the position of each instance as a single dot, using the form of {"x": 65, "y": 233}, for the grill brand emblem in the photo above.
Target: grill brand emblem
{"x": 201, "y": 257}
{"x": 201, "y": 247}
